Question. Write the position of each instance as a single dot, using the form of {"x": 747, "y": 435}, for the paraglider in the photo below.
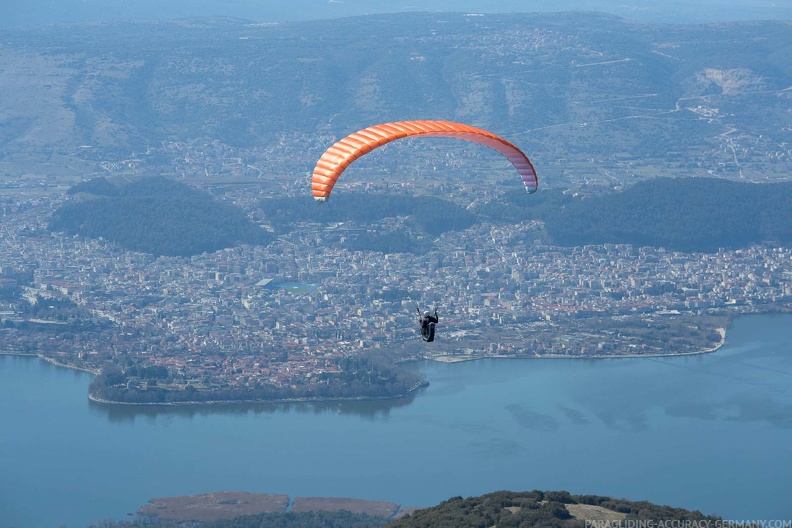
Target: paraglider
{"x": 427, "y": 322}
{"x": 342, "y": 153}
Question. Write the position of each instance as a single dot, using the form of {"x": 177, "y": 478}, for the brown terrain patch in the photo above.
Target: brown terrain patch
{"x": 382, "y": 509}
{"x": 589, "y": 512}
{"x": 213, "y": 506}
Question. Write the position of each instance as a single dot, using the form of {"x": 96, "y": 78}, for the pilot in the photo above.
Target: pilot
{"x": 428, "y": 322}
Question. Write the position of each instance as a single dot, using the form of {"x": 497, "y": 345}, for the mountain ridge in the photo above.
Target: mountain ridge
{"x": 587, "y": 95}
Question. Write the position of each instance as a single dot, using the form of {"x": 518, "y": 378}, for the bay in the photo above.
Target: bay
{"x": 709, "y": 432}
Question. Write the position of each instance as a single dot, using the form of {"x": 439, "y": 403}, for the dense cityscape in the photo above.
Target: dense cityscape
{"x": 286, "y": 314}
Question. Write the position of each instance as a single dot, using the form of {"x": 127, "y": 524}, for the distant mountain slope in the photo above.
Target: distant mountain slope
{"x": 67, "y": 11}
{"x": 583, "y": 93}
{"x": 157, "y": 216}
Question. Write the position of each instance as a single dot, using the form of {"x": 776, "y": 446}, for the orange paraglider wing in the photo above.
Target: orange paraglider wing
{"x": 342, "y": 153}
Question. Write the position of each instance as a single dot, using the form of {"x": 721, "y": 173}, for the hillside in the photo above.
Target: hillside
{"x": 686, "y": 214}
{"x": 542, "y": 509}
{"x": 683, "y": 214}
{"x": 164, "y": 217}
{"x": 157, "y": 216}
{"x": 590, "y": 97}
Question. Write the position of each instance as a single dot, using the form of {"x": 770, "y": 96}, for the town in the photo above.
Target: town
{"x": 283, "y": 314}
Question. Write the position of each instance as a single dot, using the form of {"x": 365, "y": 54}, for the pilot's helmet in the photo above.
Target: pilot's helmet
{"x": 426, "y": 313}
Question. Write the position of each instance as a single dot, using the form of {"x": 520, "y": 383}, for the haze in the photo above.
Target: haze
{"x": 16, "y": 13}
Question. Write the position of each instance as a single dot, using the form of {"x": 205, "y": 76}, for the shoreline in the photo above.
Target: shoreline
{"x": 439, "y": 359}
{"x": 51, "y": 361}
{"x": 102, "y": 401}
{"x": 459, "y": 359}
{"x": 65, "y": 365}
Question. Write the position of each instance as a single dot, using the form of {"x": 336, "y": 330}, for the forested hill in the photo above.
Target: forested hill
{"x": 156, "y": 215}
{"x": 164, "y": 217}
{"x": 536, "y": 508}
{"x": 685, "y": 214}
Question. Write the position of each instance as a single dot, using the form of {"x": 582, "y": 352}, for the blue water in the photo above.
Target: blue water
{"x": 710, "y": 432}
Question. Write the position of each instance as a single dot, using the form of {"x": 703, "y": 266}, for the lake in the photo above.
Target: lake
{"x": 709, "y": 432}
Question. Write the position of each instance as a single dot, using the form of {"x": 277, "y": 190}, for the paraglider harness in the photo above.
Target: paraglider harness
{"x": 428, "y": 323}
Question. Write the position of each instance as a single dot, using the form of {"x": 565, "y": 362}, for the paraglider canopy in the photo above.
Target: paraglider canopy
{"x": 338, "y": 157}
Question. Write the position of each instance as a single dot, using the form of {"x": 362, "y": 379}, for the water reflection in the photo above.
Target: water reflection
{"x": 574, "y": 416}
{"x": 527, "y": 418}
{"x": 368, "y": 409}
